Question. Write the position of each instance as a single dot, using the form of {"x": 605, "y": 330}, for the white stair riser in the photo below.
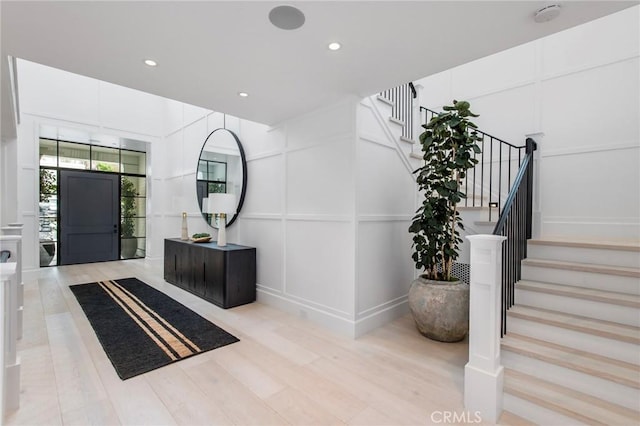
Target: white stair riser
{"x": 585, "y": 308}
{"x": 611, "y": 348}
{"x": 627, "y": 259}
{"x": 396, "y": 130}
{"x": 470, "y": 216}
{"x": 616, "y": 283}
{"x": 607, "y": 390}
{"x": 534, "y": 413}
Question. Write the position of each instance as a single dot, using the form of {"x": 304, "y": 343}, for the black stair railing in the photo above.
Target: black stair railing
{"x": 488, "y": 184}
{"x": 402, "y": 97}
{"x": 515, "y": 224}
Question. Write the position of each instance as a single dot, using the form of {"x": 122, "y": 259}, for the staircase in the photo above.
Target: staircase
{"x": 572, "y": 349}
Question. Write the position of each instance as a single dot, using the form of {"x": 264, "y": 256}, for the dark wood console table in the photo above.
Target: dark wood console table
{"x": 225, "y": 276}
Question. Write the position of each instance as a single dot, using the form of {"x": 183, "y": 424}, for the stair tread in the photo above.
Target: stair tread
{"x": 584, "y": 267}
{"x": 385, "y": 100}
{"x": 407, "y": 140}
{"x": 485, "y": 223}
{"x": 622, "y": 299}
{"x": 596, "y": 365}
{"x": 608, "y": 329}
{"x": 606, "y": 245}
{"x": 566, "y": 401}
{"x": 507, "y": 418}
{"x": 396, "y": 121}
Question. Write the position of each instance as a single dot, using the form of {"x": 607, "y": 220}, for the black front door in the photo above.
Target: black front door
{"x": 89, "y": 217}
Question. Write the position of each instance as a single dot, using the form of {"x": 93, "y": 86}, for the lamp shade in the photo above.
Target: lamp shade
{"x": 221, "y": 203}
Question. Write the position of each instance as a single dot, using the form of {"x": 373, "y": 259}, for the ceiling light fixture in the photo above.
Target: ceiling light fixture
{"x": 150, "y": 63}
{"x": 243, "y": 94}
{"x": 334, "y": 46}
{"x": 286, "y": 17}
{"x": 547, "y": 13}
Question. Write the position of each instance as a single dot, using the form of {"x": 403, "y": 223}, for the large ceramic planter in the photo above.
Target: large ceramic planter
{"x": 440, "y": 309}
{"x": 128, "y": 247}
{"x": 47, "y": 252}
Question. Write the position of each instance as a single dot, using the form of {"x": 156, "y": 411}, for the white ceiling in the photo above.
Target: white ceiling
{"x": 208, "y": 51}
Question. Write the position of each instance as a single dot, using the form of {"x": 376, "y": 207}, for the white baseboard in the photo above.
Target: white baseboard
{"x": 339, "y": 325}
{"x": 380, "y": 318}
{"x": 342, "y": 326}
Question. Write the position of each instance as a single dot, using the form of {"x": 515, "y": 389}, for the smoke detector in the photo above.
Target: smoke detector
{"x": 547, "y": 13}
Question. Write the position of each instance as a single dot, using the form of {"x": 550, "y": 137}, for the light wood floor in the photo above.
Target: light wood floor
{"x": 285, "y": 370}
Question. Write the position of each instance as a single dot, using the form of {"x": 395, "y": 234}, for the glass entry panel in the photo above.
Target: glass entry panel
{"x": 127, "y": 167}
{"x": 48, "y": 217}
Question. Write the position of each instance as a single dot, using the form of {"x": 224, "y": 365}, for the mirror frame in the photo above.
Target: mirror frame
{"x": 244, "y": 176}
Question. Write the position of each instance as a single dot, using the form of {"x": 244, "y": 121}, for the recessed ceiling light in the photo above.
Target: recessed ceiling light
{"x": 334, "y": 46}
{"x": 243, "y": 94}
{"x": 150, "y": 62}
{"x": 286, "y": 17}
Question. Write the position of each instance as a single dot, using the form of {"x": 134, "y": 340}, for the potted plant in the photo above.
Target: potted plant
{"x": 48, "y": 228}
{"x": 128, "y": 241}
{"x": 438, "y": 301}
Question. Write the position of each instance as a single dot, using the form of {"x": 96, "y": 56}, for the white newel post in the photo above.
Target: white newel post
{"x": 10, "y": 363}
{"x": 9, "y": 242}
{"x": 483, "y": 374}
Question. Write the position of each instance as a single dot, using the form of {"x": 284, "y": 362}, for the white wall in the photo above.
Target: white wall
{"x": 385, "y": 203}
{"x": 581, "y": 89}
{"x": 8, "y": 184}
{"x": 299, "y": 213}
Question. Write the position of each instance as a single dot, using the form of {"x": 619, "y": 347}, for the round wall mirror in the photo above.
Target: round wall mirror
{"x": 222, "y": 168}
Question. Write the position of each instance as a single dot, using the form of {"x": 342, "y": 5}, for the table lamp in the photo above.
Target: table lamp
{"x": 221, "y": 204}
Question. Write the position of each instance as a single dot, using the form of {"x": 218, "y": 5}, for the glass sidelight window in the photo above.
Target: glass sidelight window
{"x": 56, "y": 155}
{"x": 48, "y": 216}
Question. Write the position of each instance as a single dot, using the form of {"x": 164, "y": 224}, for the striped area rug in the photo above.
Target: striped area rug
{"x": 141, "y": 328}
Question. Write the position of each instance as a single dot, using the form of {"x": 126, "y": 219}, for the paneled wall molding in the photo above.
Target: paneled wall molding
{"x": 144, "y": 137}
{"x": 262, "y": 216}
{"x": 333, "y": 138}
{"x": 301, "y": 301}
{"x": 588, "y": 67}
{"x": 267, "y": 289}
{"x": 382, "y": 122}
{"x": 61, "y": 118}
{"x": 381, "y": 317}
{"x": 195, "y": 120}
{"x": 318, "y": 218}
{"x": 498, "y": 90}
{"x": 335, "y": 323}
{"x": 384, "y": 217}
{"x": 589, "y": 149}
{"x": 90, "y": 127}
{"x": 262, "y": 156}
{"x": 174, "y": 132}
{"x": 179, "y": 175}
{"x": 372, "y": 139}
{"x": 381, "y": 307}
